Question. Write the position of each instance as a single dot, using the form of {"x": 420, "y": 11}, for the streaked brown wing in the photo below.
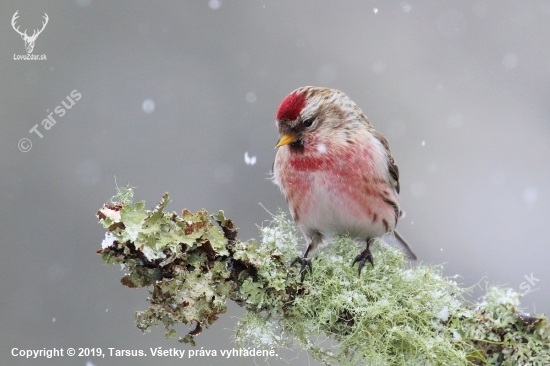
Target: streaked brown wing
{"x": 392, "y": 166}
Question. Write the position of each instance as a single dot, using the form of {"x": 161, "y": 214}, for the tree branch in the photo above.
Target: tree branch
{"x": 394, "y": 314}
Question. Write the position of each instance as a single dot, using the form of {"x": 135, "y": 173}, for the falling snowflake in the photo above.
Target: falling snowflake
{"x": 251, "y": 98}
{"x": 148, "y": 106}
{"x": 249, "y": 160}
{"x": 214, "y": 4}
{"x": 530, "y": 194}
{"x": 510, "y": 61}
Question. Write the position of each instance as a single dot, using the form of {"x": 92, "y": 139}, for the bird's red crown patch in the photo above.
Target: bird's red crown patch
{"x": 291, "y": 107}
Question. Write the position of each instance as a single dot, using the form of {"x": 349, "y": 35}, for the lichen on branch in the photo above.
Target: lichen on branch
{"x": 394, "y": 314}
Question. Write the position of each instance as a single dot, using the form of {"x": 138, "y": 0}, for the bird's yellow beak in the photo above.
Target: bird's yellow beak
{"x": 286, "y": 138}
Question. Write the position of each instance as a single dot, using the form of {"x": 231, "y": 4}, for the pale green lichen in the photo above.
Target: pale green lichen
{"x": 177, "y": 257}
{"x": 506, "y": 336}
{"x": 394, "y": 314}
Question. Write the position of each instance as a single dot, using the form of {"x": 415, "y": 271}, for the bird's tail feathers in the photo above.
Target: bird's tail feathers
{"x": 405, "y": 245}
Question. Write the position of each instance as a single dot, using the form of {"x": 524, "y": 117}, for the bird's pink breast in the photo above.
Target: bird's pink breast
{"x": 338, "y": 191}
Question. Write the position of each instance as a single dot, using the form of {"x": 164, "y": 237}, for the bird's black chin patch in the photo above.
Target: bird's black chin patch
{"x": 297, "y": 145}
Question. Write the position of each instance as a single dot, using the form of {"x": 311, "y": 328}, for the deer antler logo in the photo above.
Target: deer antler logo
{"x": 29, "y": 41}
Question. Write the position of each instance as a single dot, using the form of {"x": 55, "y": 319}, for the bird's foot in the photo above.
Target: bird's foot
{"x": 364, "y": 257}
{"x": 305, "y": 266}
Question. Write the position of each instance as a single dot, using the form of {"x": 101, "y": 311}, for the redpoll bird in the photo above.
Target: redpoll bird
{"x": 335, "y": 171}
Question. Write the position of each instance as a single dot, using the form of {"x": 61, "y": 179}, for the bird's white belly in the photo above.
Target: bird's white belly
{"x": 332, "y": 212}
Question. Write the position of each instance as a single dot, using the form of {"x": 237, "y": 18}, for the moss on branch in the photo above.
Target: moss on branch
{"x": 394, "y": 314}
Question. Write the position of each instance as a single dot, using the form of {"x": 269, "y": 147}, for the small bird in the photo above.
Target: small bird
{"x": 335, "y": 171}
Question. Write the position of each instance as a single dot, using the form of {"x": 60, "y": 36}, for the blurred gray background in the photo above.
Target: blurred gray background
{"x": 174, "y": 94}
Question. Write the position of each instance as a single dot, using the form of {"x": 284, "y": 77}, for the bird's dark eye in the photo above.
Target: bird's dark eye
{"x": 308, "y": 122}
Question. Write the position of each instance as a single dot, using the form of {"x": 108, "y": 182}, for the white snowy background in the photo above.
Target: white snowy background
{"x": 180, "y": 96}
